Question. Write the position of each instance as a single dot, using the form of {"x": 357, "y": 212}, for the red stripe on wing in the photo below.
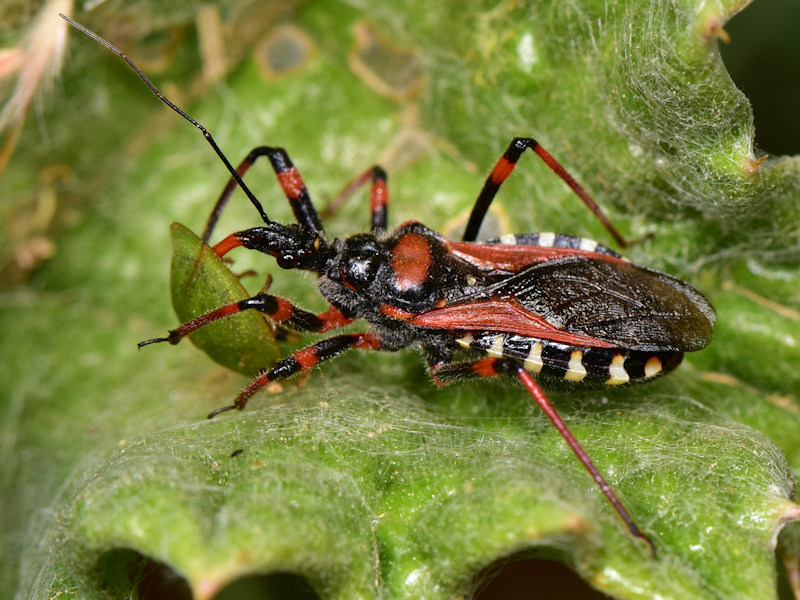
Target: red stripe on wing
{"x": 513, "y": 258}
{"x": 504, "y": 316}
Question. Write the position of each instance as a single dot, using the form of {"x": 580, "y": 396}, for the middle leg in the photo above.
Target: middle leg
{"x": 503, "y": 169}
{"x": 378, "y": 197}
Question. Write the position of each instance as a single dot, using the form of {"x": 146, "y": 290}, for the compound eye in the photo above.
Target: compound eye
{"x": 287, "y": 260}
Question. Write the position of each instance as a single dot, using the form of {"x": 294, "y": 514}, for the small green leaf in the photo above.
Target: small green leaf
{"x": 200, "y": 282}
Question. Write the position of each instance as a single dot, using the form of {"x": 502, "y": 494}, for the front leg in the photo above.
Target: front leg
{"x": 288, "y": 178}
{"x": 279, "y": 310}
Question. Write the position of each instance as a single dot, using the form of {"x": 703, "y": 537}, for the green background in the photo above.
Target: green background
{"x": 366, "y": 480}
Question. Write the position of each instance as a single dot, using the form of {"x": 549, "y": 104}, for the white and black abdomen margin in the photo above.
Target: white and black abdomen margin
{"x": 552, "y": 240}
{"x": 610, "y": 366}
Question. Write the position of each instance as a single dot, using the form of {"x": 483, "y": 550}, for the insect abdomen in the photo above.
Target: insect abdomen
{"x": 553, "y": 240}
{"x": 610, "y": 366}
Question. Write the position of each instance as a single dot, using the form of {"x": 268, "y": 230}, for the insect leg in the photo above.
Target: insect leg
{"x": 277, "y": 309}
{"x": 301, "y": 361}
{"x": 378, "y": 197}
{"x": 503, "y": 169}
{"x": 289, "y": 179}
{"x": 490, "y": 367}
{"x": 549, "y": 410}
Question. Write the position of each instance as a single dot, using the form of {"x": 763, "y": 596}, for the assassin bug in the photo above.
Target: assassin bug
{"x": 543, "y": 304}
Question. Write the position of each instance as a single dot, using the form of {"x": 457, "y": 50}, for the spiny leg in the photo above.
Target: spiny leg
{"x": 443, "y": 373}
{"x": 277, "y": 309}
{"x": 378, "y": 197}
{"x": 302, "y": 361}
{"x": 503, "y": 169}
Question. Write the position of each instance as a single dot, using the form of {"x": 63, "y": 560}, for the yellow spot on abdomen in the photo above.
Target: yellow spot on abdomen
{"x": 466, "y": 341}
{"x": 533, "y": 362}
{"x": 575, "y": 370}
{"x": 617, "y": 373}
{"x": 496, "y": 349}
{"x": 652, "y": 367}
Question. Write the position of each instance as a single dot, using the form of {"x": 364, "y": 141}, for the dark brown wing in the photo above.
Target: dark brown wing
{"x": 618, "y": 302}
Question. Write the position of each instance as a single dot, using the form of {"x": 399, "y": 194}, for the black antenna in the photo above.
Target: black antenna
{"x": 169, "y": 103}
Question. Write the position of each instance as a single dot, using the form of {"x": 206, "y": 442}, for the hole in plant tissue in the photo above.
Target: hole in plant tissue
{"x": 786, "y": 562}
{"x": 518, "y": 577}
{"x": 763, "y": 59}
{"x": 272, "y": 586}
{"x": 125, "y": 573}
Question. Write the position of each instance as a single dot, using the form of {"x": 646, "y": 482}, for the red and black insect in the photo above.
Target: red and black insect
{"x": 533, "y": 306}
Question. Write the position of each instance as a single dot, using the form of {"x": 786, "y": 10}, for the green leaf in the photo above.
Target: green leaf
{"x": 366, "y": 480}
{"x": 200, "y": 282}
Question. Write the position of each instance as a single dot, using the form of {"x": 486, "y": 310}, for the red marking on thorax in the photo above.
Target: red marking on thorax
{"x": 291, "y": 182}
{"x": 411, "y": 259}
